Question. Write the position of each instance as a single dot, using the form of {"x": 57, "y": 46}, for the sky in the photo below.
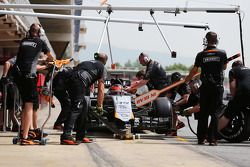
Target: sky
{"x": 127, "y": 42}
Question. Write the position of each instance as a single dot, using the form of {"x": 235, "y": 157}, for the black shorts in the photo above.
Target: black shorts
{"x": 36, "y": 102}
{"x": 27, "y": 89}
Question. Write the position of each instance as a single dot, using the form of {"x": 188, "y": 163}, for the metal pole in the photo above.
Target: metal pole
{"x": 103, "y": 32}
{"x": 241, "y": 39}
{"x": 5, "y": 112}
{"x": 115, "y": 20}
{"x": 123, "y": 8}
{"x": 110, "y": 51}
{"x": 152, "y": 14}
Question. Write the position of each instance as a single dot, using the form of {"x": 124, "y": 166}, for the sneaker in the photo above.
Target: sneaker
{"x": 213, "y": 144}
{"x": 85, "y": 140}
{"x": 58, "y": 127}
{"x": 31, "y": 135}
{"x": 180, "y": 125}
{"x": 38, "y": 133}
{"x": 201, "y": 141}
{"x": 172, "y": 133}
{"x": 68, "y": 140}
{"x": 25, "y": 142}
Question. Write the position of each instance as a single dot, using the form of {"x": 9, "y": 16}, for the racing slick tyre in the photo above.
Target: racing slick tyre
{"x": 163, "y": 110}
{"x": 163, "y": 107}
{"x": 238, "y": 128}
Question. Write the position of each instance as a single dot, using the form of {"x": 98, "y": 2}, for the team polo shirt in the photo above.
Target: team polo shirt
{"x": 29, "y": 52}
{"x": 156, "y": 75}
{"x": 91, "y": 71}
{"x": 212, "y": 61}
{"x": 242, "y": 76}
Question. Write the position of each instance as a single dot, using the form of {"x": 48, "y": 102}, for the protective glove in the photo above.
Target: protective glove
{"x": 185, "y": 112}
{"x": 99, "y": 110}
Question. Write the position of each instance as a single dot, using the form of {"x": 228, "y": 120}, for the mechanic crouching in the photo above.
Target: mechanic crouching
{"x": 83, "y": 76}
{"x": 184, "y": 91}
{"x": 239, "y": 82}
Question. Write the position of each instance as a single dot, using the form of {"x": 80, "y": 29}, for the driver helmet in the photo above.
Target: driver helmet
{"x": 116, "y": 88}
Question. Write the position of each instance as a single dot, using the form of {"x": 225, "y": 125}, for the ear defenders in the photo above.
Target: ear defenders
{"x": 146, "y": 59}
{"x": 41, "y": 31}
{"x": 96, "y": 56}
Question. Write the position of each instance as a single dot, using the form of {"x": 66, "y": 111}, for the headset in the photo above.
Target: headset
{"x": 41, "y": 31}
{"x": 96, "y": 56}
{"x": 209, "y": 36}
{"x": 101, "y": 57}
{"x": 146, "y": 59}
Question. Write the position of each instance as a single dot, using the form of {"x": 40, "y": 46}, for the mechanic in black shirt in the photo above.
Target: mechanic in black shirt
{"x": 239, "y": 80}
{"x": 212, "y": 62}
{"x": 60, "y": 83}
{"x": 83, "y": 76}
{"x": 193, "y": 104}
{"x": 155, "y": 76}
{"x": 184, "y": 91}
{"x": 25, "y": 74}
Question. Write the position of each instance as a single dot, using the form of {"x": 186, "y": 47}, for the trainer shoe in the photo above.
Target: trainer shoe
{"x": 68, "y": 140}
{"x": 38, "y": 133}
{"x": 58, "y": 127}
{"x": 180, "y": 125}
{"x": 85, "y": 140}
{"x": 213, "y": 142}
{"x": 172, "y": 133}
{"x": 201, "y": 141}
{"x": 26, "y": 142}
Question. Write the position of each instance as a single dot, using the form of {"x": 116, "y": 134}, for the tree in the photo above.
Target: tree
{"x": 137, "y": 64}
{"x": 128, "y": 64}
{"x": 118, "y": 65}
{"x": 176, "y": 67}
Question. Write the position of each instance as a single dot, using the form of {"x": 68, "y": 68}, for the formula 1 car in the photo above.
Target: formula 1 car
{"x": 122, "y": 117}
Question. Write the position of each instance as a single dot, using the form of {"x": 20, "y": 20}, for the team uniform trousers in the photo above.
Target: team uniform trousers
{"x": 63, "y": 97}
{"x": 79, "y": 108}
{"x": 210, "y": 104}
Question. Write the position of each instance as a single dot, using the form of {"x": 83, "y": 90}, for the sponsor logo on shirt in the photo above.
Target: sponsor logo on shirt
{"x": 27, "y": 43}
{"x": 211, "y": 59}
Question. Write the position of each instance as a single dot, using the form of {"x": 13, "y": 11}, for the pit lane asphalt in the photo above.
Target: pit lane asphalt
{"x": 151, "y": 150}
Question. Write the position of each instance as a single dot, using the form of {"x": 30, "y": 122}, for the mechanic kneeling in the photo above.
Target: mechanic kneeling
{"x": 239, "y": 78}
{"x": 83, "y": 76}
